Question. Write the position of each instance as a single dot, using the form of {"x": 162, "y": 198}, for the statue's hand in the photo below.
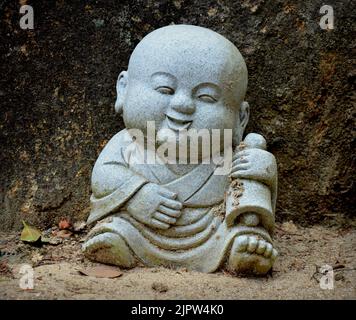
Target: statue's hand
{"x": 255, "y": 164}
{"x": 155, "y": 206}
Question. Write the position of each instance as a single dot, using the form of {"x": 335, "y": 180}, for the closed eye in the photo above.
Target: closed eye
{"x": 207, "y": 98}
{"x": 165, "y": 90}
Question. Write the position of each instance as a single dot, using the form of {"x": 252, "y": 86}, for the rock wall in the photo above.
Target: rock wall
{"x": 57, "y": 93}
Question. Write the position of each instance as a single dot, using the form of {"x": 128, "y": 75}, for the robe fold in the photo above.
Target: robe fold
{"x": 200, "y": 238}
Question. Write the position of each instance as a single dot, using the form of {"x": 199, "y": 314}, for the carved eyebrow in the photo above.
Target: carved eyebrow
{"x": 208, "y": 85}
{"x": 166, "y": 75}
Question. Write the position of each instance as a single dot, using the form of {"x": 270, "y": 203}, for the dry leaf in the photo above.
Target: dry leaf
{"x": 30, "y": 234}
{"x": 102, "y": 272}
{"x": 64, "y": 224}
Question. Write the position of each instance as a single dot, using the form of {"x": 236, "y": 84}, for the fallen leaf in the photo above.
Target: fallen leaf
{"x": 64, "y": 224}
{"x": 102, "y": 272}
{"x": 30, "y": 234}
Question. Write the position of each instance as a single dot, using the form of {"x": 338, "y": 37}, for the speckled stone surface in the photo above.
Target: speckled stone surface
{"x": 185, "y": 215}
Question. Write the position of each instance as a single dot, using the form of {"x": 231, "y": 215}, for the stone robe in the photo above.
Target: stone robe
{"x": 200, "y": 239}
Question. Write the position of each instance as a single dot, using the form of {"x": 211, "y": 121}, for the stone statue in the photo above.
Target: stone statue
{"x": 184, "y": 77}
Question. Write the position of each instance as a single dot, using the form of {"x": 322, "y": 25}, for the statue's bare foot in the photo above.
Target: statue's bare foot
{"x": 109, "y": 248}
{"x": 251, "y": 255}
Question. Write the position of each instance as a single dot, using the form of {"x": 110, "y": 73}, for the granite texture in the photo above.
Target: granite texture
{"x": 182, "y": 209}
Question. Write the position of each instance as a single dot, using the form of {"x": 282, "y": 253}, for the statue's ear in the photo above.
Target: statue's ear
{"x": 241, "y": 122}
{"x": 121, "y": 88}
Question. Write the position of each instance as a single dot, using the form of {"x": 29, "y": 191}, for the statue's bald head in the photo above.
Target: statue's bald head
{"x": 190, "y": 51}
{"x": 190, "y": 71}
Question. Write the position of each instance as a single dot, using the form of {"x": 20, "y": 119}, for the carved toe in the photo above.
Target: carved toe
{"x": 252, "y": 244}
{"x": 241, "y": 243}
{"x": 268, "y": 250}
{"x": 261, "y": 247}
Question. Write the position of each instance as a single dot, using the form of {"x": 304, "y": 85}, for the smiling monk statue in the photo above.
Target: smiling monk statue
{"x": 183, "y": 78}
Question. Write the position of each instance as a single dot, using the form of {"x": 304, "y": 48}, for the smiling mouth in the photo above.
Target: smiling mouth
{"x": 177, "y": 125}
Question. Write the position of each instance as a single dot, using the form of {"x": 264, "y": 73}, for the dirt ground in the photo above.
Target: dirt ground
{"x": 295, "y": 276}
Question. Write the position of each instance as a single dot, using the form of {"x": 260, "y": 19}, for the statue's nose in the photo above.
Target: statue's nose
{"x": 182, "y": 103}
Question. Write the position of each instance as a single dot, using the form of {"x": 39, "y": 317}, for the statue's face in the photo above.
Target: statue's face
{"x": 183, "y": 86}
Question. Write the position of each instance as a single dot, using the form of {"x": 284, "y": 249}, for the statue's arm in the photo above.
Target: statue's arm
{"x": 113, "y": 182}
{"x": 256, "y": 169}
{"x": 111, "y": 172}
{"x": 258, "y": 165}
{"x": 110, "y": 176}
{"x": 255, "y": 164}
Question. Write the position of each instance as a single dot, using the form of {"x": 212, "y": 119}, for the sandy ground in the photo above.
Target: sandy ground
{"x": 57, "y": 276}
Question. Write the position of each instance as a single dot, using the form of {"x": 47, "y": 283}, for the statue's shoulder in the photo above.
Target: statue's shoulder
{"x": 114, "y": 146}
{"x": 120, "y": 139}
